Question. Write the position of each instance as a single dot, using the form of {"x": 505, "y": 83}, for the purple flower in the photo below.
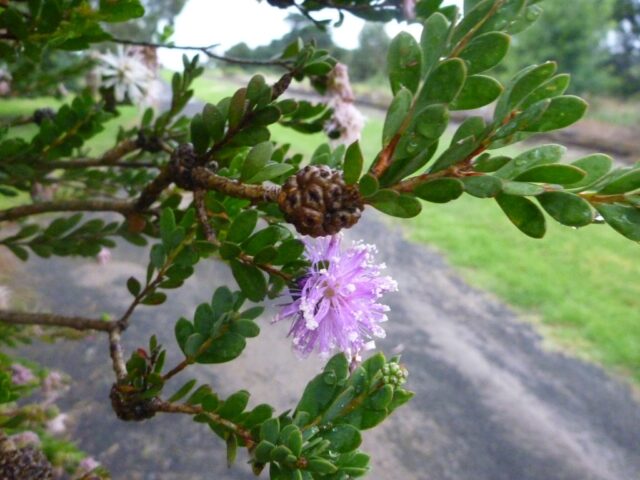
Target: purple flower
{"x": 21, "y": 375}
{"x": 104, "y": 256}
{"x": 336, "y": 305}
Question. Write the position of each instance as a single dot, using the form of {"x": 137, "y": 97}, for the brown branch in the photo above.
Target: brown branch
{"x": 120, "y": 206}
{"x": 206, "y": 179}
{"x": 166, "y": 407}
{"x": 207, "y": 51}
{"x": 109, "y": 158}
{"x": 50, "y": 320}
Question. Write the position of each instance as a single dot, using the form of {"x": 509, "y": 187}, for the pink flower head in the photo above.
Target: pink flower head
{"x": 58, "y": 424}
{"x": 409, "y": 8}
{"x": 87, "y": 465}
{"x": 21, "y": 375}
{"x": 104, "y": 256}
{"x": 336, "y": 305}
{"x": 25, "y": 438}
{"x": 346, "y": 123}
{"x": 5, "y": 297}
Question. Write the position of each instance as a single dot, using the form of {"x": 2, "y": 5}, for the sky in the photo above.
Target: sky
{"x": 228, "y": 22}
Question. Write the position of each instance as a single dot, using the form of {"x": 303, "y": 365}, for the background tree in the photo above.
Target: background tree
{"x": 625, "y": 56}
{"x": 368, "y": 60}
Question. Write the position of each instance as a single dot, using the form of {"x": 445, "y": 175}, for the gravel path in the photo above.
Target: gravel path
{"x": 492, "y": 402}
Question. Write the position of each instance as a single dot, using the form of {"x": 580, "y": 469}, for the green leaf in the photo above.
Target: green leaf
{"x": 232, "y": 449}
{"x": 246, "y": 328}
{"x": 440, "y": 190}
{"x": 433, "y": 40}
{"x": 432, "y": 121}
{"x": 623, "y": 219}
{"x": 454, "y": 154}
{"x": 445, "y": 83}
{"x": 193, "y": 344}
{"x": 258, "y": 415}
{"x": 567, "y": 208}
{"x": 596, "y": 166}
{"x": 242, "y": 226}
{"x": 343, "y": 438}
{"x": 199, "y": 134}
{"x": 154, "y": 298}
{"x": 394, "y": 204}
{"x": 531, "y": 158}
{"x": 183, "y": 391}
{"x": 134, "y": 287}
{"x": 562, "y": 112}
{"x": 485, "y": 51}
{"x": 523, "y": 84}
{"x": 524, "y": 214}
{"x": 522, "y": 189}
{"x": 183, "y": 329}
{"x": 234, "y": 405}
{"x": 271, "y": 171}
{"x": 321, "y": 466}
{"x": 623, "y": 184}
{"x": 119, "y": 11}
{"x": 404, "y": 61}
{"x": 488, "y": 164}
{"x": 484, "y": 186}
{"x": 237, "y": 108}
{"x": 470, "y": 127}
{"x": 549, "y": 89}
{"x": 270, "y": 430}
{"x": 289, "y": 251}
{"x": 256, "y": 160}
{"x": 368, "y": 185}
{"x": 203, "y": 319}
{"x": 226, "y": 348}
{"x": 396, "y": 115}
{"x": 353, "y": 163}
{"x": 478, "y": 91}
{"x": 555, "y": 173}
{"x": 250, "y": 280}
{"x": 167, "y": 224}
{"x": 255, "y": 87}
{"x": 213, "y": 121}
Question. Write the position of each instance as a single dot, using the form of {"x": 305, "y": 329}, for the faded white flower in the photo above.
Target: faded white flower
{"x": 126, "y": 71}
{"x": 409, "y": 9}
{"x": 5, "y": 82}
{"x": 24, "y": 439}
{"x": 346, "y": 123}
{"x": 87, "y": 465}
{"x": 53, "y": 386}
{"x": 58, "y": 424}
{"x": 5, "y": 297}
{"x": 21, "y": 375}
{"x": 104, "y": 256}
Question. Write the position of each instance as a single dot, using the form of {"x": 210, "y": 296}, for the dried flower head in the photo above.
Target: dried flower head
{"x": 5, "y": 297}
{"x": 127, "y": 72}
{"x": 336, "y": 305}
{"x": 347, "y": 122}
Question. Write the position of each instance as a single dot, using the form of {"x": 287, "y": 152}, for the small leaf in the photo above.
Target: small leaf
{"x": 213, "y": 121}
{"x": 524, "y": 214}
{"x": 394, "y": 204}
{"x": 567, "y": 208}
{"x": 623, "y": 219}
{"x": 488, "y": 164}
{"x": 485, "y": 51}
{"x": 478, "y": 91}
{"x": 404, "y": 61}
{"x": 483, "y": 186}
{"x": 271, "y": 171}
{"x": 433, "y": 40}
{"x": 522, "y": 189}
{"x": 555, "y": 173}
{"x": 396, "y": 115}
{"x": 444, "y": 83}
{"x": 562, "y": 112}
{"x": 199, "y": 134}
{"x": 596, "y": 166}
{"x": 368, "y": 185}
{"x": 623, "y": 184}
{"x": 250, "y": 280}
{"x": 256, "y": 159}
{"x": 537, "y": 156}
{"x": 183, "y": 391}
{"x": 234, "y": 405}
{"x": 353, "y": 163}
{"x": 242, "y": 226}
{"x": 344, "y": 438}
{"x": 432, "y": 121}
{"x": 440, "y": 190}
{"x": 134, "y": 287}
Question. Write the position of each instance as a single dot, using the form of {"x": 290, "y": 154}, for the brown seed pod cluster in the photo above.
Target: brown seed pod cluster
{"x": 318, "y": 202}
{"x": 25, "y": 463}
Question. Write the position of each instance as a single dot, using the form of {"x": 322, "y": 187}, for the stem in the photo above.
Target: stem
{"x": 188, "y": 360}
{"x": 256, "y": 193}
{"x": 50, "y": 320}
{"x": 116, "y": 353}
{"x": 110, "y": 157}
{"x": 120, "y": 206}
{"x": 207, "y": 51}
{"x": 167, "y": 407}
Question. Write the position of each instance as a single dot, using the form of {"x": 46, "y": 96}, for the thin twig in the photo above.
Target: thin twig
{"x": 257, "y": 193}
{"x": 207, "y": 51}
{"x": 120, "y": 206}
{"x": 116, "y": 353}
{"x": 50, "y": 320}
